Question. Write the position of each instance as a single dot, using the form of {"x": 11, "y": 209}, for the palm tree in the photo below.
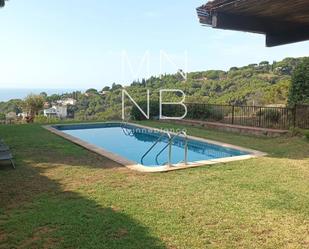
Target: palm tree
{"x": 2, "y": 3}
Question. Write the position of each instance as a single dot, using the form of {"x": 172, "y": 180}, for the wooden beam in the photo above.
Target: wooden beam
{"x": 277, "y": 32}
{"x": 287, "y": 36}
{"x": 238, "y": 23}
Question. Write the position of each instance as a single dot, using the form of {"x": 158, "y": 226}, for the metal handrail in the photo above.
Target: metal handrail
{"x": 170, "y": 148}
{"x": 154, "y": 144}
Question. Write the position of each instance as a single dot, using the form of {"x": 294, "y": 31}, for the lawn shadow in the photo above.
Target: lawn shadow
{"x": 37, "y": 212}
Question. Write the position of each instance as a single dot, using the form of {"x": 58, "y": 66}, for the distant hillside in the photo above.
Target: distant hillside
{"x": 256, "y": 84}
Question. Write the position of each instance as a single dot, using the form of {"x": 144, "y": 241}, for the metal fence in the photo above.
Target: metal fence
{"x": 255, "y": 116}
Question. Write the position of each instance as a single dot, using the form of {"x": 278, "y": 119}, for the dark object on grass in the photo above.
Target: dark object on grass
{"x": 5, "y": 153}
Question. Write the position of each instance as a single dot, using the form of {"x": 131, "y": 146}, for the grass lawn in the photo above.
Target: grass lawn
{"x": 62, "y": 196}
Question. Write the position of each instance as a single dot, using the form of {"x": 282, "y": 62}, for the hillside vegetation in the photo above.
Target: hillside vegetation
{"x": 256, "y": 84}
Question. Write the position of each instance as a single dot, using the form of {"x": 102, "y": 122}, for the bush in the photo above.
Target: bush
{"x": 294, "y": 132}
{"x": 41, "y": 119}
{"x": 307, "y": 135}
{"x": 108, "y": 115}
{"x": 270, "y": 114}
{"x": 204, "y": 112}
{"x": 2, "y": 116}
{"x": 153, "y": 109}
{"x": 299, "y": 91}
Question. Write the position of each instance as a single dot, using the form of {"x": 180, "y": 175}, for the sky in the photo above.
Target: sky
{"x": 78, "y": 44}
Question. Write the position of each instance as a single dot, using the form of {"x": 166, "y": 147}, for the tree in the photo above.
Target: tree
{"x": 44, "y": 95}
{"x": 92, "y": 91}
{"x": 32, "y": 105}
{"x": 299, "y": 91}
{"x": 2, "y": 3}
{"x": 2, "y": 116}
{"x": 264, "y": 63}
{"x": 106, "y": 89}
{"x": 116, "y": 86}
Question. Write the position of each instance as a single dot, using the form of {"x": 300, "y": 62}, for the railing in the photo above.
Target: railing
{"x": 169, "y": 145}
{"x": 255, "y": 116}
{"x": 154, "y": 144}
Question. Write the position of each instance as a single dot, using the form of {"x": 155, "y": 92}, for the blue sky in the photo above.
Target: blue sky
{"x": 81, "y": 44}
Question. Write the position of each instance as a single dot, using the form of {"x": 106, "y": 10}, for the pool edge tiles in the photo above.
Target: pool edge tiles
{"x": 138, "y": 167}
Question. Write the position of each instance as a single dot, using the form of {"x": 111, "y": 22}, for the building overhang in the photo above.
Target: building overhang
{"x": 282, "y": 22}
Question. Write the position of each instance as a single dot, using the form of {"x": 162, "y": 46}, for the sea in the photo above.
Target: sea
{"x": 18, "y": 93}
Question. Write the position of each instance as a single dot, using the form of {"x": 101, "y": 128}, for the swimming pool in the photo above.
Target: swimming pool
{"x": 148, "y": 149}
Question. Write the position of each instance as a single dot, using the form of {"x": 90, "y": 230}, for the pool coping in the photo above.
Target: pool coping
{"x": 148, "y": 169}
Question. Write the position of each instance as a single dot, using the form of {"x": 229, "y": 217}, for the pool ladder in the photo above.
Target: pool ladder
{"x": 169, "y": 146}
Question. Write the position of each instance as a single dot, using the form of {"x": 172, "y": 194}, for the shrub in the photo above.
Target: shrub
{"x": 294, "y": 131}
{"x": 215, "y": 114}
{"x": 204, "y": 112}
{"x": 108, "y": 115}
{"x": 2, "y": 116}
{"x": 199, "y": 112}
{"x": 270, "y": 114}
{"x": 307, "y": 135}
{"x": 41, "y": 119}
{"x": 153, "y": 109}
{"x": 299, "y": 91}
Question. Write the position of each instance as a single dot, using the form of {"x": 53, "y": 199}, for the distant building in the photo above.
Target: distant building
{"x": 68, "y": 101}
{"x": 59, "y": 111}
{"x": 22, "y": 115}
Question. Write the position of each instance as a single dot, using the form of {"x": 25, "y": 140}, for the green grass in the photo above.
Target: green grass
{"x": 62, "y": 196}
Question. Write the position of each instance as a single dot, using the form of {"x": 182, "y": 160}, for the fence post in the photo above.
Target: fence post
{"x": 260, "y": 117}
{"x": 233, "y": 113}
{"x": 294, "y": 115}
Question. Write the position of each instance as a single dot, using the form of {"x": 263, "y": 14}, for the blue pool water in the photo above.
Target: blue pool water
{"x": 132, "y": 142}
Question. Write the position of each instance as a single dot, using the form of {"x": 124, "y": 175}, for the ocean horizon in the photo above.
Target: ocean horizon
{"x": 7, "y": 94}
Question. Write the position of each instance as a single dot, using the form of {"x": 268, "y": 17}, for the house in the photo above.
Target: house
{"x": 67, "y": 101}
{"x": 59, "y": 111}
{"x": 22, "y": 115}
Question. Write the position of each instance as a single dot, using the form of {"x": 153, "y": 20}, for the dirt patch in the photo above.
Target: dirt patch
{"x": 121, "y": 233}
{"x": 42, "y": 236}
{"x": 3, "y": 236}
